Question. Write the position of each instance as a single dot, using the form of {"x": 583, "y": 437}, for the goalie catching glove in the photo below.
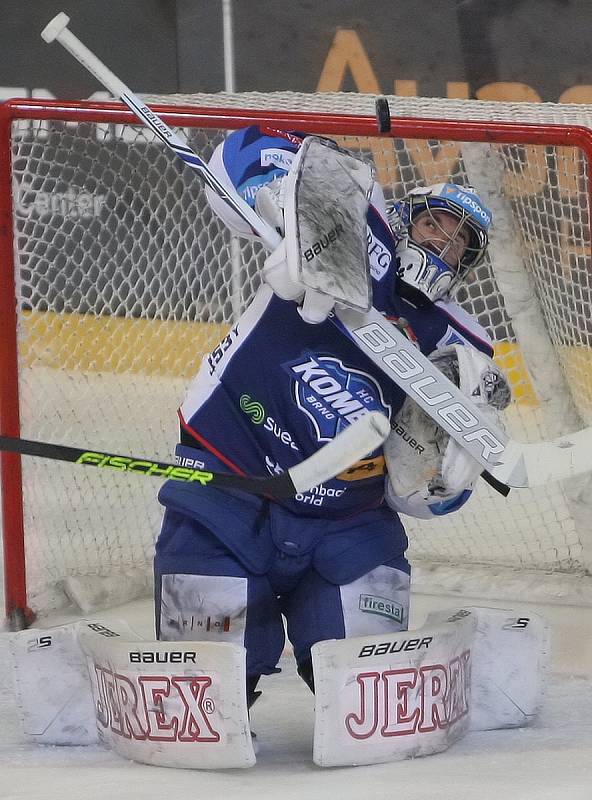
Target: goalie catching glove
{"x": 428, "y": 473}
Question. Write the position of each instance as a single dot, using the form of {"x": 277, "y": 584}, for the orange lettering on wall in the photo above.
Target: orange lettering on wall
{"x": 405, "y": 88}
{"x": 347, "y": 52}
{"x": 571, "y": 166}
{"x": 435, "y": 161}
{"x": 457, "y": 90}
{"x": 582, "y": 93}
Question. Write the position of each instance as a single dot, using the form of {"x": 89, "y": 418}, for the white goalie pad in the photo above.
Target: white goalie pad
{"x": 52, "y": 687}
{"x": 403, "y": 695}
{"x": 326, "y": 200}
{"x": 170, "y": 704}
{"x": 510, "y": 657}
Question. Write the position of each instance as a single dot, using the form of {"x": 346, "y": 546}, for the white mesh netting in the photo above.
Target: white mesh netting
{"x": 124, "y": 280}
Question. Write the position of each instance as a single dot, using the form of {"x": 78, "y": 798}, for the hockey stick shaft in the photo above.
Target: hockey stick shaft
{"x": 507, "y": 461}
{"x": 57, "y": 30}
{"x": 359, "y": 439}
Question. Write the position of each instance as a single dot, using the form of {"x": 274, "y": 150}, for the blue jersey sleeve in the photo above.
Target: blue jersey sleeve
{"x": 253, "y": 157}
{"x": 245, "y": 161}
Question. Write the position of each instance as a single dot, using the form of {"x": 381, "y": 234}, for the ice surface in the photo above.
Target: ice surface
{"x": 552, "y": 759}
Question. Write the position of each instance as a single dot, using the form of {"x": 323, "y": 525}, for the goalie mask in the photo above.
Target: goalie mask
{"x": 442, "y": 235}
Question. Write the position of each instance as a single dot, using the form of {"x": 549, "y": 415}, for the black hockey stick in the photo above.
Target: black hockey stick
{"x": 358, "y": 440}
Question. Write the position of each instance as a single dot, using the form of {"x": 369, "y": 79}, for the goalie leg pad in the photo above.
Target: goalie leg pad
{"x": 510, "y": 663}
{"x": 170, "y": 704}
{"x": 392, "y": 696}
{"x": 52, "y": 687}
{"x": 395, "y": 696}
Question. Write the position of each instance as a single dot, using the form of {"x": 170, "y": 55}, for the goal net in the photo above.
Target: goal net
{"x": 124, "y": 280}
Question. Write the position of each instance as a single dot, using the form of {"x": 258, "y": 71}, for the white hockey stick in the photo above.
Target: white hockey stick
{"x": 507, "y": 461}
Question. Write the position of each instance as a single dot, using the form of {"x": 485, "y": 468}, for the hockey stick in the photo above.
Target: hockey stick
{"x": 506, "y": 460}
{"x": 359, "y": 439}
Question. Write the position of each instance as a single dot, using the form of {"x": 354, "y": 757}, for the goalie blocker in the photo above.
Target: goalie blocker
{"x": 378, "y": 698}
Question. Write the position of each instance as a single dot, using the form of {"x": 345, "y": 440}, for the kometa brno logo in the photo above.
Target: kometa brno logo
{"x": 331, "y": 394}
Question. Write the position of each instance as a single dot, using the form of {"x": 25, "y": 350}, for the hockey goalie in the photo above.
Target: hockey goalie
{"x": 235, "y": 572}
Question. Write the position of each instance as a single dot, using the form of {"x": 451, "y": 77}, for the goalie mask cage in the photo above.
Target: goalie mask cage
{"x": 116, "y": 279}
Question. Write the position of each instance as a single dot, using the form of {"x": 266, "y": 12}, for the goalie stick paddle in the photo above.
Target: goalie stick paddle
{"x": 57, "y": 30}
{"x": 506, "y": 460}
{"x": 359, "y": 439}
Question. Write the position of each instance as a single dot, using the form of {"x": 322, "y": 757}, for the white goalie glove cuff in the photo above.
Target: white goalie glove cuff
{"x": 315, "y": 306}
{"x": 269, "y": 204}
{"x": 428, "y": 472}
{"x": 276, "y": 274}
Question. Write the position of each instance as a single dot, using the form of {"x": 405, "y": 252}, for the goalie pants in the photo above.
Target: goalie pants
{"x": 229, "y": 565}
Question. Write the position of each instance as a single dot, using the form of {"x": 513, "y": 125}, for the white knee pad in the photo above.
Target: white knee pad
{"x": 203, "y": 608}
{"x": 378, "y": 602}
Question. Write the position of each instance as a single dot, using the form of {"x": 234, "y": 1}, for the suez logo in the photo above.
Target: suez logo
{"x": 125, "y": 464}
{"x": 411, "y": 375}
{"x": 256, "y": 412}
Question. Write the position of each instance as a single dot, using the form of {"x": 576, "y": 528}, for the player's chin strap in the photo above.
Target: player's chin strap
{"x": 507, "y": 461}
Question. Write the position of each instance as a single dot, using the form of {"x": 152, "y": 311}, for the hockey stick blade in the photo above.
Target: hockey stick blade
{"x": 359, "y": 439}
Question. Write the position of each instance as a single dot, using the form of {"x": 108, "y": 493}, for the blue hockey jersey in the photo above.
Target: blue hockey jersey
{"x": 277, "y": 388}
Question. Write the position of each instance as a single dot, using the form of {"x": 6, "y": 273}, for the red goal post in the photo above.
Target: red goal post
{"x": 111, "y": 267}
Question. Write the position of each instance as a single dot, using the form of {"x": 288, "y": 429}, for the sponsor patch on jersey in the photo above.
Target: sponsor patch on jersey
{"x": 379, "y": 255}
{"x": 273, "y": 156}
{"x": 256, "y": 412}
{"x": 332, "y": 395}
{"x": 366, "y": 468}
{"x": 383, "y": 606}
